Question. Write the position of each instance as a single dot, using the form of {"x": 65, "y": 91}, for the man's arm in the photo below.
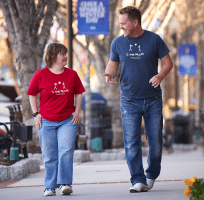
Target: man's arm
{"x": 110, "y": 72}
{"x": 167, "y": 66}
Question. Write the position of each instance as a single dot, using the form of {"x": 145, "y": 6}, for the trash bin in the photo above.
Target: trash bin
{"x": 14, "y": 153}
{"x": 181, "y": 128}
{"x": 97, "y": 144}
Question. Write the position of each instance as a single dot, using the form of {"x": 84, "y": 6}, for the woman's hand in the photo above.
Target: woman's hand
{"x": 76, "y": 118}
{"x": 37, "y": 120}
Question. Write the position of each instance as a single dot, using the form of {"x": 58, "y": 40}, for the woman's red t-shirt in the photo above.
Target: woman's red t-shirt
{"x": 56, "y": 92}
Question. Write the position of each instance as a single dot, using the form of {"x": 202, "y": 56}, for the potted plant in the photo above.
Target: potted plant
{"x": 195, "y": 188}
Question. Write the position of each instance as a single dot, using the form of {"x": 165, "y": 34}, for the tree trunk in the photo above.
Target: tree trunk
{"x": 11, "y": 67}
{"x": 28, "y": 24}
{"x": 199, "y": 76}
{"x": 23, "y": 22}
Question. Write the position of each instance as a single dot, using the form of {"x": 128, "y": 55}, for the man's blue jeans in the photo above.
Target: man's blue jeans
{"x": 132, "y": 111}
{"x": 57, "y": 141}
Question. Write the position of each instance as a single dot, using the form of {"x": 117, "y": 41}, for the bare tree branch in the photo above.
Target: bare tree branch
{"x": 32, "y": 12}
{"x": 167, "y": 18}
{"x": 24, "y": 17}
{"x": 51, "y": 8}
{"x": 147, "y": 12}
{"x": 144, "y": 4}
{"x": 10, "y": 27}
{"x": 161, "y": 10}
{"x": 147, "y": 18}
{"x": 16, "y": 22}
{"x": 39, "y": 14}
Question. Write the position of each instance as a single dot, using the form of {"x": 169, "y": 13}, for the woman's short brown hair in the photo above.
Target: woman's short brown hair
{"x": 133, "y": 13}
{"x": 52, "y": 51}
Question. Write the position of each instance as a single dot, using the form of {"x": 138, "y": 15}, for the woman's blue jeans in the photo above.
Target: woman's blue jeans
{"x": 57, "y": 141}
{"x": 132, "y": 111}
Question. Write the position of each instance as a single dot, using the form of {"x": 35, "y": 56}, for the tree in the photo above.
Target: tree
{"x": 28, "y": 24}
{"x": 190, "y": 30}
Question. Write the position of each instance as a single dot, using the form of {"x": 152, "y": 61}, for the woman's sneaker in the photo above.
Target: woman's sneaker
{"x": 49, "y": 192}
{"x": 66, "y": 189}
{"x": 138, "y": 187}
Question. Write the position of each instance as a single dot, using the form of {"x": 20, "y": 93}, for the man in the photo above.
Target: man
{"x": 138, "y": 51}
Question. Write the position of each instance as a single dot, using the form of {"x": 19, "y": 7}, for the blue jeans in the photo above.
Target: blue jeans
{"x": 57, "y": 141}
{"x": 132, "y": 111}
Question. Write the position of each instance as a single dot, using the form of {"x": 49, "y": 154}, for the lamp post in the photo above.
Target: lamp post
{"x": 174, "y": 37}
{"x": 69, "y": 34}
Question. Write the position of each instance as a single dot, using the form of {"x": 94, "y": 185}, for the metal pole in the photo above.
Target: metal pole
{"x": 69, "y": 34}
{"x": 175, "y": 51}
{"x": 176, "y": 88}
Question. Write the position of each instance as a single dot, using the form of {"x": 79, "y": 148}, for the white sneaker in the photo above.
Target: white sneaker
{"x": 138, "y": 187}
{"x": 150, "y": 183}
{"x": 49, "y": 192}
{"x": 66, "y": 189}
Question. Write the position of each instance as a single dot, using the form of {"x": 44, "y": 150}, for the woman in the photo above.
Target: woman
{"x": 57, "y": 120}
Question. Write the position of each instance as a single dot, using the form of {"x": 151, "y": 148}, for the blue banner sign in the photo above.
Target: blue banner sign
{"x": 187, "y": 59}
{"x": 93, "y": 17}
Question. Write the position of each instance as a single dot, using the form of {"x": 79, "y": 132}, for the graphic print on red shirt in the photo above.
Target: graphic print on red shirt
{"x": 59, "y": 88}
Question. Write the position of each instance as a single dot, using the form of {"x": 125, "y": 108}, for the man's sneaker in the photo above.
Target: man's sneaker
{"x": 150, "y": 183}
{"x": 138, "y": 187}
{"x": 49, "y": 192}
{"x": 66, "y": 189}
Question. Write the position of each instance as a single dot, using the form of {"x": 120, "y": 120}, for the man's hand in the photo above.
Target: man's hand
{"x": 109, "y": 79}
{"x": 167, "y": 66}
{"x": 156, "y": 80}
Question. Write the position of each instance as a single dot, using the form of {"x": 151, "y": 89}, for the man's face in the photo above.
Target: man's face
{"x": 128, "y": 27}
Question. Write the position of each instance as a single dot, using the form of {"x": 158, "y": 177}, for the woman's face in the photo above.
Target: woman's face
{"x": 61, "y": 59}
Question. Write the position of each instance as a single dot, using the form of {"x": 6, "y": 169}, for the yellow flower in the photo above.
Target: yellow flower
{"x": 193, "y": 179}
{"x": 188, "y": 182}
{"x": 187, "y": 191}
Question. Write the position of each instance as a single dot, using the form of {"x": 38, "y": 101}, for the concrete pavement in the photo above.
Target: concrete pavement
{"x": 110, "y": 180}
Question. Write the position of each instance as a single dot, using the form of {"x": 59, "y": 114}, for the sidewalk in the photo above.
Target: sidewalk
{"x": 110, "y": 180}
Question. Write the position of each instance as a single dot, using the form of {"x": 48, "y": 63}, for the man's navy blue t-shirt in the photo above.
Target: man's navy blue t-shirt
{"x": 138, "y": 58}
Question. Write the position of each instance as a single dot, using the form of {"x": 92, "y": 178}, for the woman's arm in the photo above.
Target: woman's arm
{"x": 33, "y": 103}
{"x": 78, "y": 102}
{"x": 34, "y": 106}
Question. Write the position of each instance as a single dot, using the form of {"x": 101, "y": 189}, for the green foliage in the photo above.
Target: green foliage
{"x": 197, "y": 190}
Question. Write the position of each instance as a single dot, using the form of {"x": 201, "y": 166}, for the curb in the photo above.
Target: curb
{"x": 19, "y": 170}
{"x": 184, "y": 147}
{"x": 81, "y": 156}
